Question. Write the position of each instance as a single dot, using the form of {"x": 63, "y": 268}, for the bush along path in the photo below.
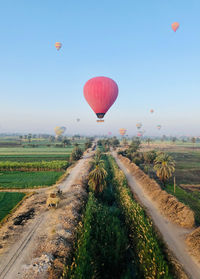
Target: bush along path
{"x": 115, "y": 238}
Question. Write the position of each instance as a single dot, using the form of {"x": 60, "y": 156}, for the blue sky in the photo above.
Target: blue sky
{"x": 129, "y": 41}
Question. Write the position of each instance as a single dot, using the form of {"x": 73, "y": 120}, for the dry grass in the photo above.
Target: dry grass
{"x": 193, "y": 242}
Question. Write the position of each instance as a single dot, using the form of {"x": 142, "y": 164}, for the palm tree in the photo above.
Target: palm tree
{"x": 97, "y": 160}
{"x": 97, "y": 179}
{"x": 164, "y": 166}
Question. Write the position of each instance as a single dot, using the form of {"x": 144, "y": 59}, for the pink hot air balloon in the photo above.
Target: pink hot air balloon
{"x": 100, "y": 93}
{"x": 175, "y": 26}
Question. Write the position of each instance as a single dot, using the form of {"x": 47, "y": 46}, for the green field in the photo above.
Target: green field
{"x": 40, "y": 153}
{"x": 8, "y": 201}
{"x": 34, "y": 157}
{"x": 19, "y": 180}
{"x": 35, "y": 151}
{"x": 187, "y": 166}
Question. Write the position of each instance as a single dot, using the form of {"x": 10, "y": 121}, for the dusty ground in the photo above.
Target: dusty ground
{"x": 35, "y": 241}
{"x": 173, "y": 235}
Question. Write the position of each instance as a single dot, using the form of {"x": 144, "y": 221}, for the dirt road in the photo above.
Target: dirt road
{"x": 173, "y": 235}
{"x": 20, "y": 253}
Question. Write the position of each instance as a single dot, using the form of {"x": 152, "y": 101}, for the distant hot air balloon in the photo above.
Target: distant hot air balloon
{"x": 109, "y": 133}
{"x": 78, "y": 119}
{"x": 159, "y": 127}
{"x": 139, "y": 125}
{"x": 151, "y": 111}
{"x": 59, "y": 130}
{"x": 139, "y": 135}
{"x": 175, "y": 26}
{"x": 122, "y": 131}
{"x": 58, "y": 45}
{"x": 100, "y": 93}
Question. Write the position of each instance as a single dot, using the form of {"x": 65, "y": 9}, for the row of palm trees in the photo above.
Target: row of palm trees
{"x": 163, "y": 164}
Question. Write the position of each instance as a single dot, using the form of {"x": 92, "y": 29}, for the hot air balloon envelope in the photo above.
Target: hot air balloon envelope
{"x": 175, "y": 26}
{"x": 122, "y": 131}
{"x": 58, "y": 45}
{"x": 139, "y": 125}
{"x": 100, "y": 93}
{"x": 159, "y": 127}
{"x": 59, "y": 130}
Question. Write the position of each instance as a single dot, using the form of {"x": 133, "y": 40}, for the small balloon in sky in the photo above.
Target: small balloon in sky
{"x": 58, "y": 45}
{"x": 100, "y": 93}
{"x": 175, "y": 26}
{"x": 59, "y": 130}
{"x": 122, "y": 131}
{"x": 151, "y": 111}
{"x": 139, "y": 125}
{"x": 159, "y": 127}
{"x": 78, "y": 119}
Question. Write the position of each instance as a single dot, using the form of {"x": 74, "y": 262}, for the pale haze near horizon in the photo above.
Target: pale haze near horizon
{"x": 133, "y": 43}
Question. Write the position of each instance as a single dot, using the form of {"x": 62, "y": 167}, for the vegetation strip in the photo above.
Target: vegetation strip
{"x": 115, "y": 238}
{"x": 20, "y": 180}
{"x": 34, "y": 166}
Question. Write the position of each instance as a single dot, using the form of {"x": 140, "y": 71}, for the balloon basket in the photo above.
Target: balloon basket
{"x": 100, "y": 121}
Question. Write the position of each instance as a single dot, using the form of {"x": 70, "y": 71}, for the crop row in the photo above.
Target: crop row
{"x": 149, "y": 256}
{"x": 101, "y": 246}
{"x": 34, "y": 166}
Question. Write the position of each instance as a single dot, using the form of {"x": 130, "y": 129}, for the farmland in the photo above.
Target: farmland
{"x": 35, "y": 154}
{"x": 28, "y": 164}
{"x": 8, "y": 201}
{"x": 23, "y": 180}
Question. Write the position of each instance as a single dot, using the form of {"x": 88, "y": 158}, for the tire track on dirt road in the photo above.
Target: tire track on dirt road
{"x": 6, "y": 266}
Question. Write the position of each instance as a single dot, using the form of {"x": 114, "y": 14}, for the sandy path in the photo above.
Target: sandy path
{"x": 173, "y": 235}
{"x": 76, "y": 172}
{"x": 12, "y": 261}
